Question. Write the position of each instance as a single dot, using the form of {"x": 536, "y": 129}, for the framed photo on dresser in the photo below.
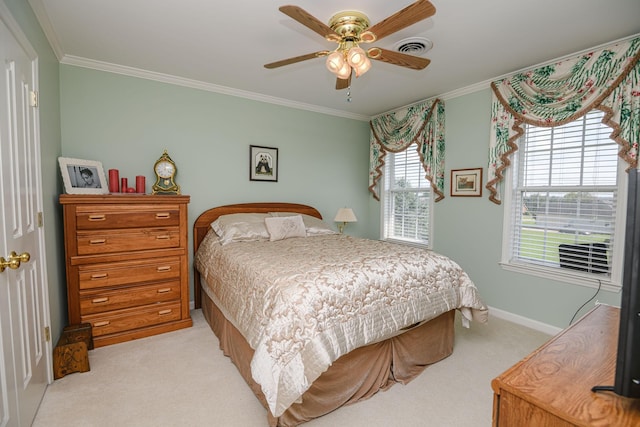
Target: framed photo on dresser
{"x": 83, "y": 176}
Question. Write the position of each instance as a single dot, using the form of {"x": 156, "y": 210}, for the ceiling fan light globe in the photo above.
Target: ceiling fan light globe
{"x": 356, "y": 56}
{"x": 335, "y": 61}
{"x": 363, "y": 67}
{"x": 344, "y": 72}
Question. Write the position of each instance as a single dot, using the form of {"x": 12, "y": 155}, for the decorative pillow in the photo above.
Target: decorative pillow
{"x": 240, "y": 227}
{"x": 285, "y": 227}
{"x": 314, "y": 226}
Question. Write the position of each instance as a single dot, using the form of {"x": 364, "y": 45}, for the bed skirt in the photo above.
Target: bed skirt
{"x": 355, "y": 376}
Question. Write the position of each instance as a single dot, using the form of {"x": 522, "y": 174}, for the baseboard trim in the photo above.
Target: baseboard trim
{"x": 524, "y": 321}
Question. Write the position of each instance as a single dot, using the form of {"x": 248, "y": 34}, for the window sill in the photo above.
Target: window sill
{"x": 557, "y": 274}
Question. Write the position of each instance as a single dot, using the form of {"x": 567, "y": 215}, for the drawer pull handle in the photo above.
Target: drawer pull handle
{"x": 163, "y": 237}
{"x": 99, "y": 300}
{"x": 99, "y": 276}
{"x": 164, "y": 290}
{"x": 162, "y": 312}
{"x": 103, "y": 323}
{"x": 97, "y": 241}
{"x": 97, "y": 217}
{"x": 163, "y": 268}
{"x": 163, "y": 215}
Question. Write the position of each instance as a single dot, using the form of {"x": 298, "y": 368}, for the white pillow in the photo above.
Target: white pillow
{"x": 314, "y": 226}
{"x": 240, "y": 227}
{"x": 285, "y": 227}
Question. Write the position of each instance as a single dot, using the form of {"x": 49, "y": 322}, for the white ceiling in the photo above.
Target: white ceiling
{"x": 222, "y": 45}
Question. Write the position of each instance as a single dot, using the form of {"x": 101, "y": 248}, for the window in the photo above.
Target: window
{"x": 562, "y": 206}
{"x": 406, "y": 199}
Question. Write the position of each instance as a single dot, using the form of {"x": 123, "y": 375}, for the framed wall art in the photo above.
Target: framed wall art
{"x": 263, "y": 163}
{"x": 466, "y": 182}
{"x": 83, "y": 176}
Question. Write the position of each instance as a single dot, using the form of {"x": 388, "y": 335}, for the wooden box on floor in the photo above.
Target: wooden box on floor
{"x": 71, "y": 353}
{"x": 81, "y": 332}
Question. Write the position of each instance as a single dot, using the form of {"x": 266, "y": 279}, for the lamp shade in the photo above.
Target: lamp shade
{"x": 345, "y": 215}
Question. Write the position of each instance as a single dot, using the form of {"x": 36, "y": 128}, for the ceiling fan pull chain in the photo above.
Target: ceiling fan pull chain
{"x": 349, "y": 94}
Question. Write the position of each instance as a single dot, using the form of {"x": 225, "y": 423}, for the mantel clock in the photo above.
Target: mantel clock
{"x": 165, "y": 170}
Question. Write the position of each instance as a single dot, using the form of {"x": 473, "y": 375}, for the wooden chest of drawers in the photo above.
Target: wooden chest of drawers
{"x": 127, "y": 264}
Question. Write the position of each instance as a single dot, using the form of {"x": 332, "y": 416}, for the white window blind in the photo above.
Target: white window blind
{"x": 406, "y": 198}
{"x": 564, "y": 197}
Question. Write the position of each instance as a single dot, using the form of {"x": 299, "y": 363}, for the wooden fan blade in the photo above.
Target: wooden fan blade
{"x": 343, "y": 83}
{"x": 310, "y": 21}
{"x": 297, "y": 59}
{"x": 397, "y": 58}
{"x": 422, "y": 9}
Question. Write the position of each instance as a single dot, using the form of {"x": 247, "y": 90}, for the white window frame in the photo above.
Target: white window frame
{"x": 384, "y": 194}
{"x": 613, "y": 282}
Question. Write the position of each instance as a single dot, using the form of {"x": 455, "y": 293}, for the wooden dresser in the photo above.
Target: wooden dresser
{"x": 552, "y": 386}
{"x": 127, "y": 264}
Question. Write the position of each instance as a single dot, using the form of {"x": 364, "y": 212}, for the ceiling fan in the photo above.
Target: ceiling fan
{"x": 351, "y": 28}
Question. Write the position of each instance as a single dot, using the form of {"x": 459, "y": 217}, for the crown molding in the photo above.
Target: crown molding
{"x": 12, "y": 25}
{"x": 195, "y": 84}
{"x": 43, "y": 19}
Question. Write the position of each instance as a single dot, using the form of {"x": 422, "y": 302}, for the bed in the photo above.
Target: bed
{"x": 313, "y": 319}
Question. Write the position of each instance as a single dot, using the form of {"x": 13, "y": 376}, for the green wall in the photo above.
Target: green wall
{"x": 126, "y": 123}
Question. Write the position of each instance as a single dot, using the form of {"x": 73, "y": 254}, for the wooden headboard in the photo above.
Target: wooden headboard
{"x": 202, "y": 225}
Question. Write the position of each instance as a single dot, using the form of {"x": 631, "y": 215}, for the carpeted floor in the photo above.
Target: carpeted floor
{"x": 182, "y": 379}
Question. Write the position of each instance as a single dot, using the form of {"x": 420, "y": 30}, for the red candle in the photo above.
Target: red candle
{"x": 114, "y": 181}
{"x": 124, "y": 184}
{"x": 140, "y": 187}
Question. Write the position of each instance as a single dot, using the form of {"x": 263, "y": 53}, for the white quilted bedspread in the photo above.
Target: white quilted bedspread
{"x": 301, "y": 303}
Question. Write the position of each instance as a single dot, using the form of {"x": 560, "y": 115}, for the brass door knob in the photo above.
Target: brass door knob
{"x": 14, "y": 260}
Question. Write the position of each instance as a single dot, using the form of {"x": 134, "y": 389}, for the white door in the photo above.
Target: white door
{"x": 25, "y": 357}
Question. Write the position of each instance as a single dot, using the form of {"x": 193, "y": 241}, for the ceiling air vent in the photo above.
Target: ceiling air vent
{"x": 415, "y": 46}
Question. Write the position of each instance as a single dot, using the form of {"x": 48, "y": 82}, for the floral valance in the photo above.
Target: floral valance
{"x": 607, "y": 79}
{"x": 421, "y": 123}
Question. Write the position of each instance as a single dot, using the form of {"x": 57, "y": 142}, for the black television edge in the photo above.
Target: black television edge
{"x": 627, "y": 379}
